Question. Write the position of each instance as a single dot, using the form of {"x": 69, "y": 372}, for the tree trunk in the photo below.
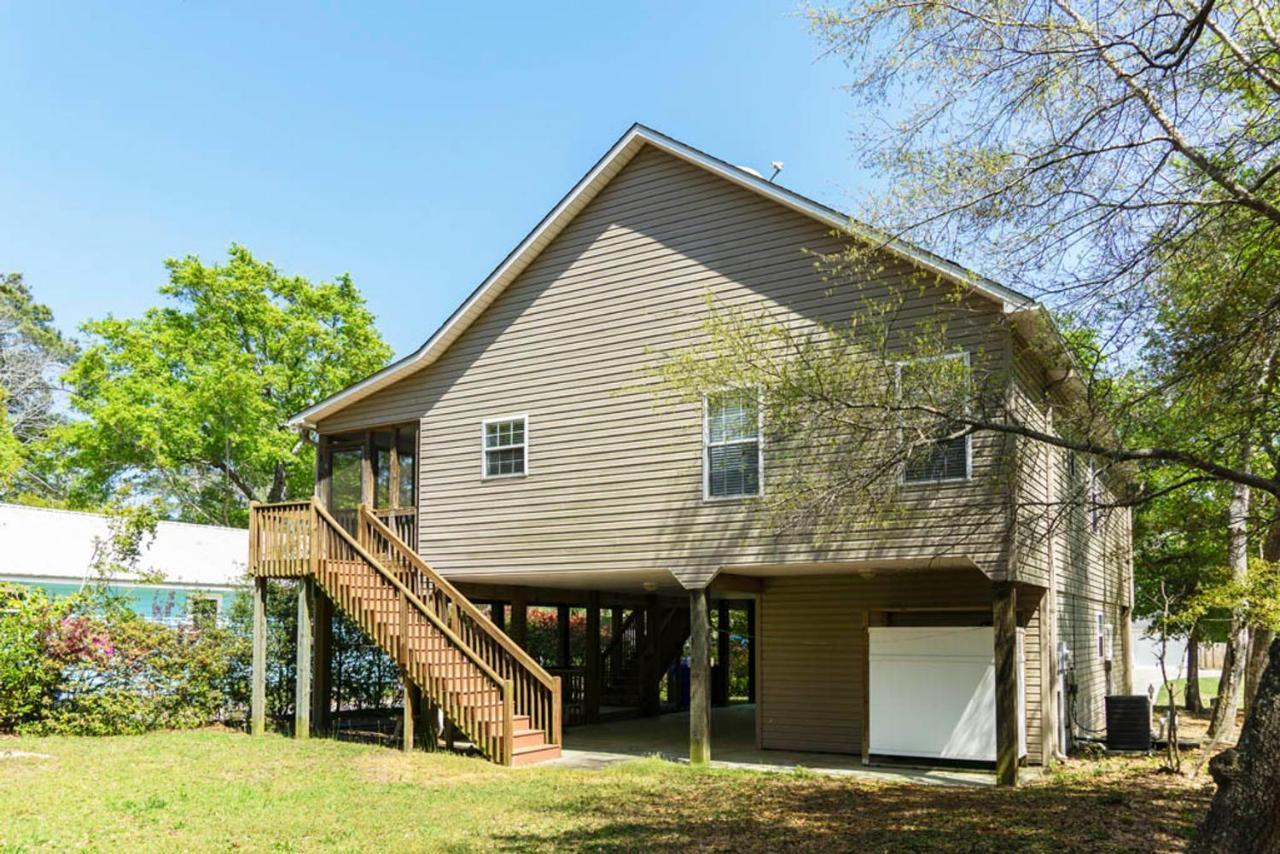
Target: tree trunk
{"x": 1262, "y": 638}
{"x": 1222, "y": 725}
{"x": 1195, "y": 704}
{"x": 1259, "y": 642}
{"x": 279, "y": 481}
{"x": 1245, "y": 813}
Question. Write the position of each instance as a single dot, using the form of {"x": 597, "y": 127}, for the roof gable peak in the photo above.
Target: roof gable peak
{"x": 587, "y": 188}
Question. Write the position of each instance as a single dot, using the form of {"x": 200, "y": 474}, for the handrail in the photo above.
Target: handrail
{"x": 618, "y": 635}
{"x": 408, "y": 594}
{"x": 500, "y": 637}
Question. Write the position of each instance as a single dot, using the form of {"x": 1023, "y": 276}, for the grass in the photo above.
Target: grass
{"x": 223, "y": 790}
{"x": 1208, "y": 690}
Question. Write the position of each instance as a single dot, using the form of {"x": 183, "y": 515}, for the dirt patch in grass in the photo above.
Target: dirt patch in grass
{"x": 1115, "y": 805}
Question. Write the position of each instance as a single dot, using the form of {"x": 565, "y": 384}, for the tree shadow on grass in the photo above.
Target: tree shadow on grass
{"x": 716, "y": 812}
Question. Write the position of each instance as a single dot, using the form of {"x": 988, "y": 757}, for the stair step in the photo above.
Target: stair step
{"x": 492, "y": 722}
{"x": 528, "y": 738}
{"x": 364, "y": 593}
{"x": 534, "y": 755}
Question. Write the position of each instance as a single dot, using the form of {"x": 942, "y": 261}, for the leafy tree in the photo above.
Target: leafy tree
{"x": 1086, "y": 155}
{"x": 32, "y": 353}
{"x": 11, "y": 455}
{"x": 1179, "y": 551}
{"x": 189, "y": 401}
{"x": 1092, "y": 153}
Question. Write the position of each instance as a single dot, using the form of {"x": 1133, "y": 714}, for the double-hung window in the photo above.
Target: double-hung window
{"x": 732, "y": 451}
{"x": 949, "y": 457}
{"x": 506, "y": 446}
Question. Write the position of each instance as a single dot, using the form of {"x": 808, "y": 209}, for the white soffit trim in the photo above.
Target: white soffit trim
{"x": 579, "y": 197}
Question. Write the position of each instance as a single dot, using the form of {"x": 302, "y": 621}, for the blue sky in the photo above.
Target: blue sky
{"x": 410, "y": 145}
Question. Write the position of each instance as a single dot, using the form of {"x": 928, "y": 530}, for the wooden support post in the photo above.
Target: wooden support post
{"x": 258, "y": 700}
{"x": 720, "y": 689}
{"x": 519, "y": 620}
{"x": 699, "y": 678}
{"x": 650, "y": 676}
{"x": 867, "y": 621}
{"x": 616, "y": 618}
{"x": 412, "y": 706}
{"x": 1004, "y": 619}
{"x": 324, "y": 472}
{"x": 366, "y": 470}
{"x": 393, "y": 471}
{"x": 751, "y": 650}
{"x": 591, "y": 698}
{"x": 321, "y": 663}
{"x": 302, "y": 684}
{"x": 563, "y": 657}
{"x": 497, "y": 613}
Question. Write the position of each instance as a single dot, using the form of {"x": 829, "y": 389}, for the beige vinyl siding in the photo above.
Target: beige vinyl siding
{"x": 616, "y": 471}
{"x": 1053, "y": 539}
{"x": 1077, "y": 624}
{"x": 813, "y": 660}
{"x": 813, "y": 650}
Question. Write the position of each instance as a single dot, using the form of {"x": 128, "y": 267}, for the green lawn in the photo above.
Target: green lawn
{"x": 222, "y": 790}
{"x": 1208, "y": 690}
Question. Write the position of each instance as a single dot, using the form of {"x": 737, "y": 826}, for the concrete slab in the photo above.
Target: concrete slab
{"x": 733, "y": 745}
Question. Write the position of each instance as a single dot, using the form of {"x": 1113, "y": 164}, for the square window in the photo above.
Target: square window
{"x": 949, "y": 457}
{"x": 505, "y": 447}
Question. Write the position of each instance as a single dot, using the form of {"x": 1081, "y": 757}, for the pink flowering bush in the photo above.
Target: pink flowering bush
{"x": 86, "y": 665}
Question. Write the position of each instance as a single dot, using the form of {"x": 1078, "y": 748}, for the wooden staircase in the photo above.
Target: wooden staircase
{"x": 493, "y": 692}
{"x": 623, "y": 655}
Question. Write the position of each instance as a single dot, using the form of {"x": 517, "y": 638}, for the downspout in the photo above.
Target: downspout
{"x": 1055, "y": 678}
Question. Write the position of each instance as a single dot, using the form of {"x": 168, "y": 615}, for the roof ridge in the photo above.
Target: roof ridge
{"x": 91, "y": 513}
{"x": 620, "y": 153}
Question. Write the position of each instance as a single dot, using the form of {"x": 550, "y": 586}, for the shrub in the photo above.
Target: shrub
{"x": 87, "y": 665}
{"x": 28, "y": 678}
{"x": 362, "y": 675}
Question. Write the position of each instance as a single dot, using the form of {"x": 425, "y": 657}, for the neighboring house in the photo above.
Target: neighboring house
{"x": 201, "y": 566}
{"x": 520, "y": 454}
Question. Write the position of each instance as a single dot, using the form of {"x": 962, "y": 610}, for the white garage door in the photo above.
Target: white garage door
{"x": 933, "y": 692}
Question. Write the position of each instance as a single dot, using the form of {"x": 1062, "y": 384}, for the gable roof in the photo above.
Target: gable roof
{"x": 608, "y": 166}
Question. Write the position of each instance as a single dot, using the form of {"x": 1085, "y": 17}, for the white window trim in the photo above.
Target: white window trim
{"x": 484, "y": 448}
{"x": 968, "y": 437}
{"x": 706, "y": 444}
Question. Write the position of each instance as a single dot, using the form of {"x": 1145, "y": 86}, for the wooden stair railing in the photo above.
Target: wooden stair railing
{"x": 537, "y": 693}
{"x": 403, "y": 522}
{"x": 620, "y": 661}
{"x": 301, "y": 538}
{"x": 621, "y": 657}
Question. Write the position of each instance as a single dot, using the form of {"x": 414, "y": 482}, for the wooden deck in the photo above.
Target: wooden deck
{"x": 493, "y": 692}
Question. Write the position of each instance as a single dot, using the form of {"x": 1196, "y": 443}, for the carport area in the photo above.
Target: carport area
{"x": 733, "y": 745}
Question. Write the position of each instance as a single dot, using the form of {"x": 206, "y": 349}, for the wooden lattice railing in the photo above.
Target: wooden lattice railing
{"x": 536, "y": 692}
{"x": 403, "y": 522}
{"x": 438, "y": 637}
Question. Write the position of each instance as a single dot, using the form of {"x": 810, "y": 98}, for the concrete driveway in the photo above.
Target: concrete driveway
{"x": 733, "y": 745}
